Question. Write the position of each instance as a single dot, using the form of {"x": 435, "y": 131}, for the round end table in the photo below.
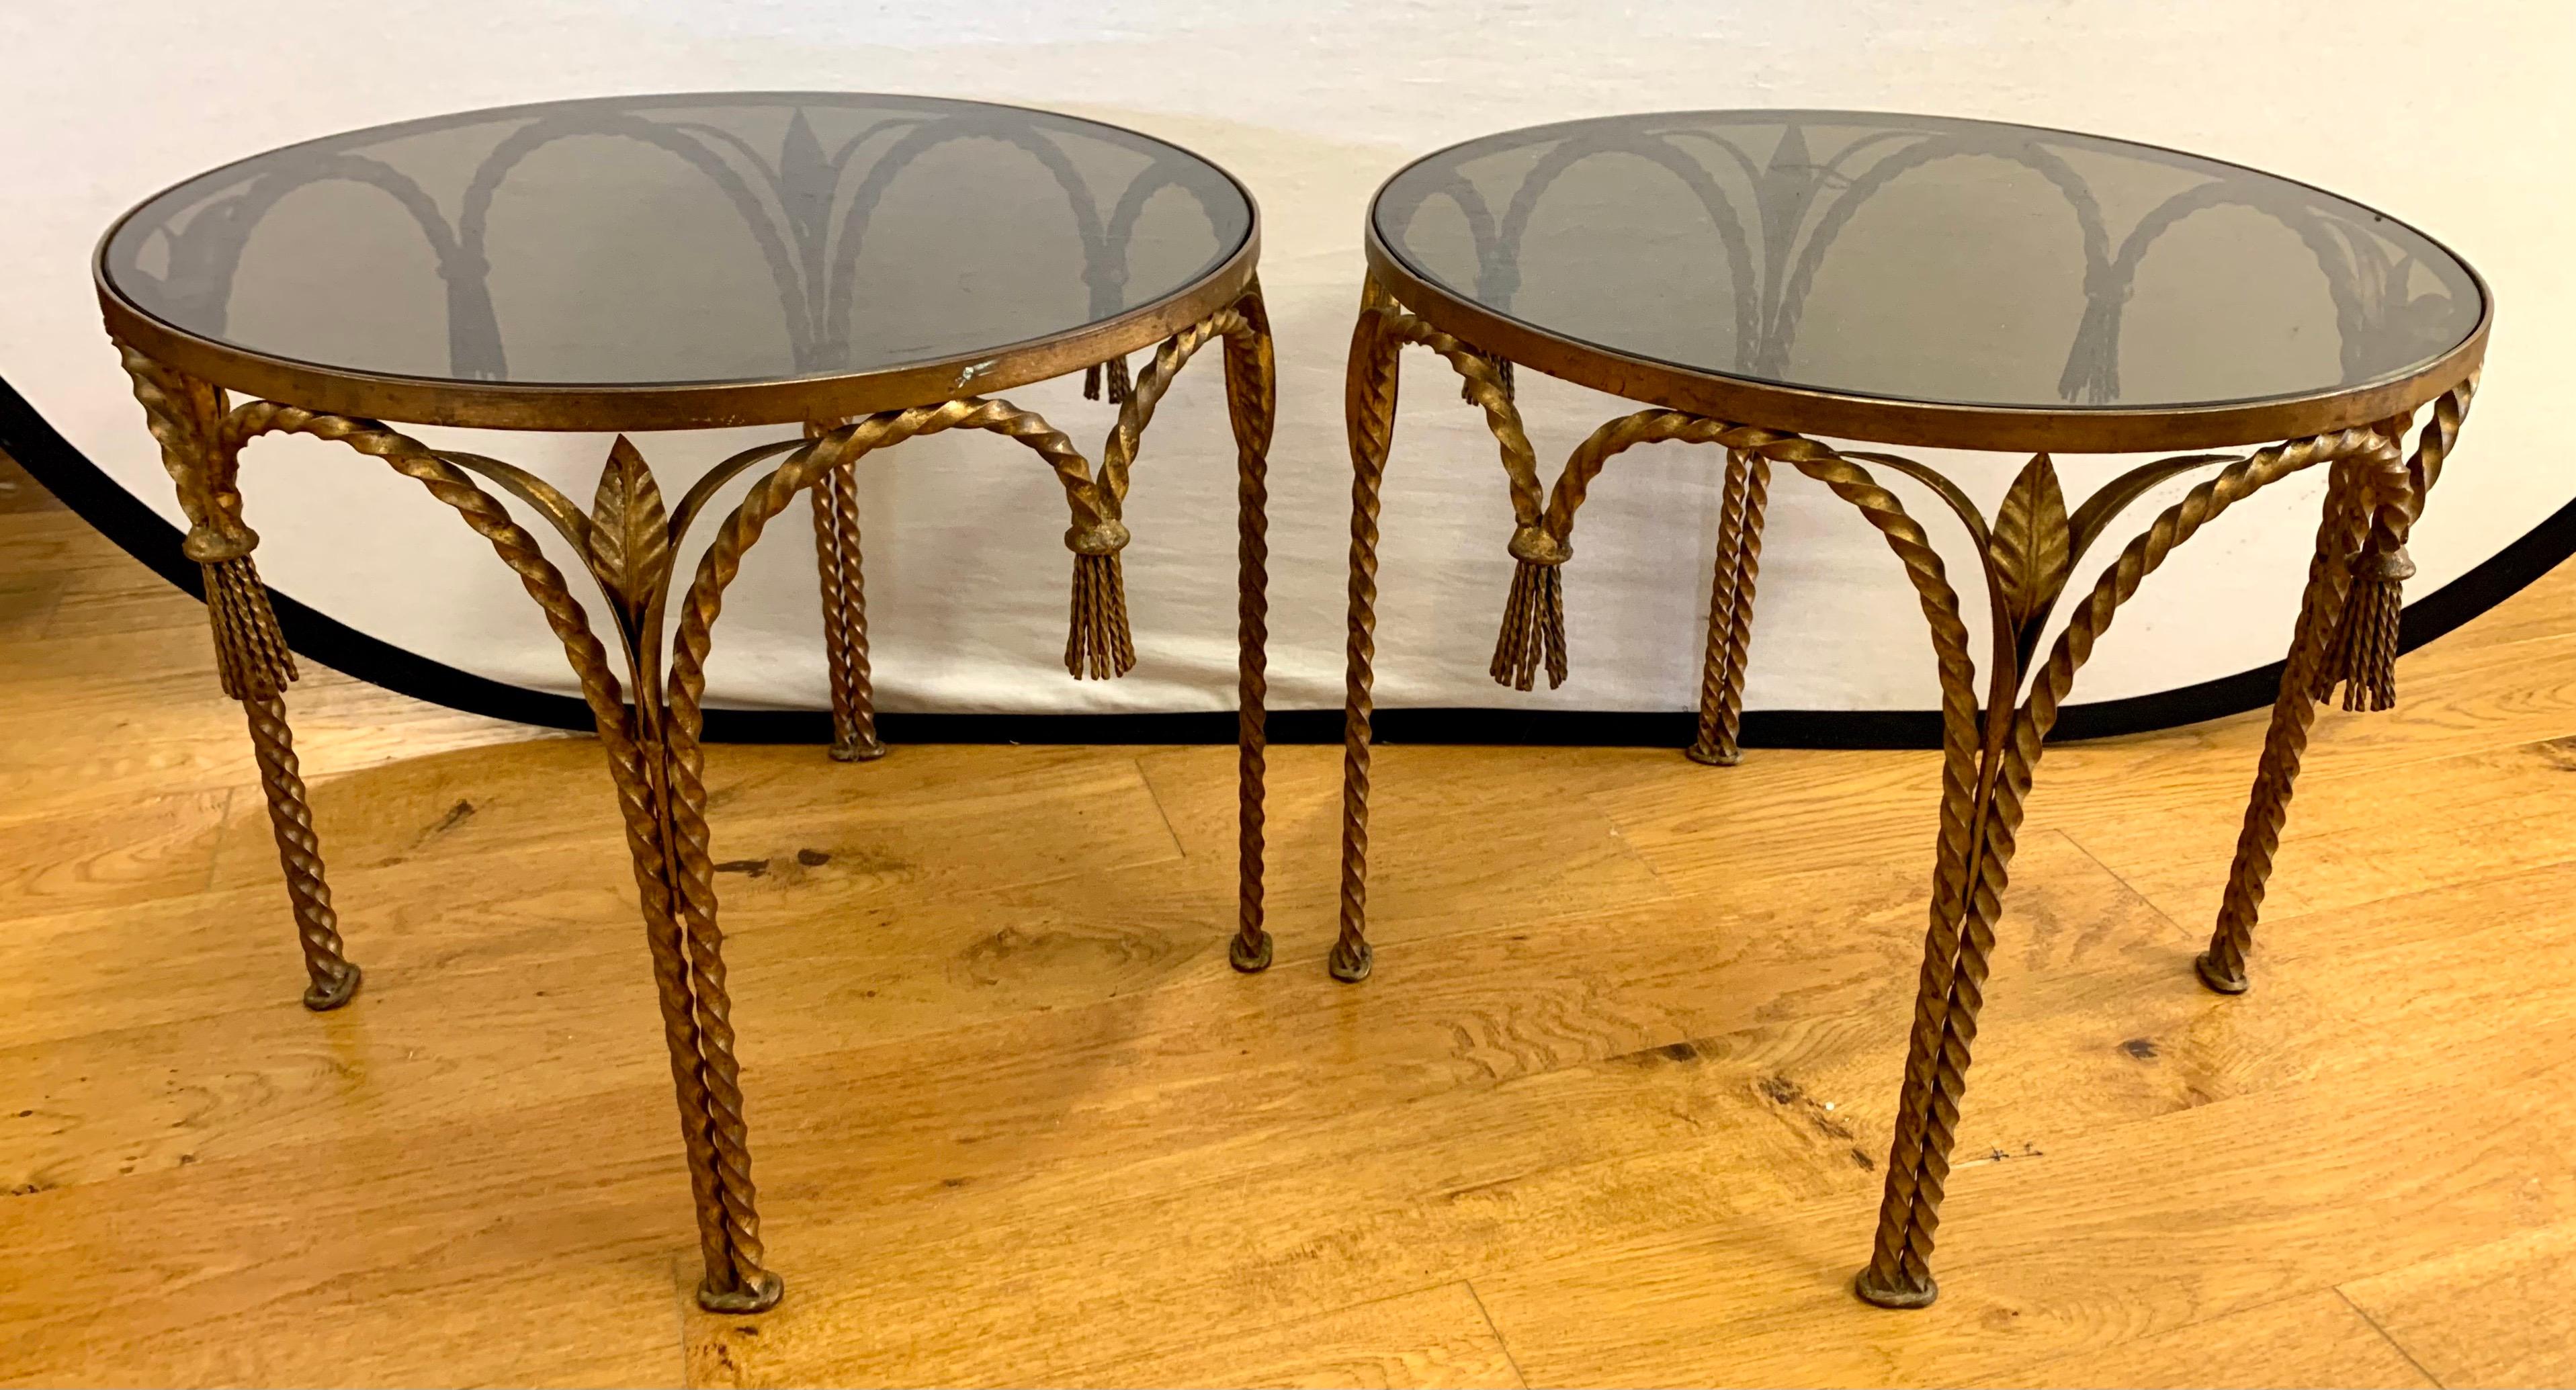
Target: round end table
{"x": 866, "y": 268}
{"x": 1756, "y": 278}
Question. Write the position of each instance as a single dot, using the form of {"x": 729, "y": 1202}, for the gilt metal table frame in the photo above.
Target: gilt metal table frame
{"x": 651, "y": 721}
{"x": 2346, "y": 634}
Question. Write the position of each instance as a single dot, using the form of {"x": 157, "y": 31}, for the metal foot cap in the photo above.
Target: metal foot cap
{"x": 1713, "y": 757}
{"x": 1894, "y": 1295}
{"x": 763, "y": 1295}
{"x": 1250, "y": 955}
{"x": 322, "y": 996}
{"x": 1350, "y": 964}
{"x": 857, "y": 752}
{"x": 2210, "y": 976}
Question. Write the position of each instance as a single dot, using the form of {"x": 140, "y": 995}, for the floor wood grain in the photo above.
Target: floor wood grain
{"x": 1610, "y": 1113}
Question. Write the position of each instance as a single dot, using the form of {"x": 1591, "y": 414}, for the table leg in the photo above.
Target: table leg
{"x": 1369, "y": 416}
{"x": 845, "y": 618}
{"x": 2222, "y": 966}
{"x": 2027, "y": 564}
{"x": 186, "y": 417}
{"x": 334, "y": 981}
{"x": 1730, "y": 610}
{"x": 2364, "y": 530}
{"x": 1534, "y": 616}
{"x": 1250, "y": 393}
{"x": 202, "y": 442}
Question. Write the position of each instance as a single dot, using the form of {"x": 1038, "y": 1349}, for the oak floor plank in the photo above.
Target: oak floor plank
{"x": 2314, "y": 1339}
{"x": 2358, "y": 1168}
{"x": 2492, "y": 1314}
{"x": 1431, "y": 1338}
{"x": 157, "y": 847}
{"x": 120, "y": 600}
{"x": 2262, "y": 1197}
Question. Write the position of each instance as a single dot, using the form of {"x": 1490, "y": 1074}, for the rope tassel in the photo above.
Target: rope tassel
{"x": 1534, "y": 614}
{"x": 2363, "y": 655}
{"x": 250, "y": 652}
{"x": 1115, "y": 371}
{"x": 1099, "y": 644}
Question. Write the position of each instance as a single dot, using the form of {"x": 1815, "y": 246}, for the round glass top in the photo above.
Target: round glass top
{"x": 1924, "y": 259}
{"x": 694, "y": 239}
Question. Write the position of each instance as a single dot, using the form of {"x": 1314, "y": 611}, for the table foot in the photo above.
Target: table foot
{"x": 1706, "y": 756}
{"x": 762, "y": 1296}
{"x": 1251, "y": 957}
{"x": 857, "y": 752}
{"x": 1351, "y": 961}
{"x": 2216, "y": 977}
{"x": 1900, "y": 1295}
{"x": 322, "y": 996}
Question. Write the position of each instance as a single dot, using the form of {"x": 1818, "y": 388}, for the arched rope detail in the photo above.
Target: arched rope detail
{"x": 1960, "y": 721}
{"x": 1907, "y": 1230}
{"x": 719, "y": 1164}
{"x": 1533, "y": 631}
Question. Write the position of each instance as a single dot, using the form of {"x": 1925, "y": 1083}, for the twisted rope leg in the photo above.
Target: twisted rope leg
{"x": 742, "y": 1285}
{"x": 845, "y": 617}
{"x": 1369, "y": 412}
{"x": 187, "y": 417}
{"x": 2320, "y": 656}
{"x": 1730, "y": 610}
{"x": 299, "y": 852}
{"x": 638, "y": 767}
{"x": 1899, "y": 1273}
{"x": 2222, "y": 966}
{"x": 1249, "y": 388}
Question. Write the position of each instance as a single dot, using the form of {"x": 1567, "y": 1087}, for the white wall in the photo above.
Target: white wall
{"x": 2454, "y": 117}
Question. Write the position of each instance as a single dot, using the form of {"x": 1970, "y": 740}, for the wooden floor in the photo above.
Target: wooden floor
{"x": 1610, "y": 1113}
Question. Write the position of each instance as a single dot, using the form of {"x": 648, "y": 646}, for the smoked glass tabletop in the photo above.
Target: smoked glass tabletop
{"x": 709, "y": 238}
{"x": 1918, "y": 258}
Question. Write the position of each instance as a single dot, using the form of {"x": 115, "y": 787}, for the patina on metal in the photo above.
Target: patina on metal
{"x": 1992, "y": 738}
{"x": 650, "y": 716}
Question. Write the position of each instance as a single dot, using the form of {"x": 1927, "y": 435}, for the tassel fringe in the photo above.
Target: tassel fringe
{"x": 250, "y": 652}
{"x": 1121, "y": 386}
{"x": 1099, "y": 644}
{"x": 1533, "y": 625}
{"x": 2363, "y": 655}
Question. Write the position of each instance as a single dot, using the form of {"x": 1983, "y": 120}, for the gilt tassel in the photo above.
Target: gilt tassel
{"x": 1099, "y": 644}
{"x": 1114, "y": 373}
{"x": 250, "y": 652}
{"x": 2363, "y": 654}
{"x": 1533, "y": 627}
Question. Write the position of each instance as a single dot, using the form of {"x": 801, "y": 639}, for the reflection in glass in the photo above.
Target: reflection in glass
{"x": 1929, "y": 259}
{"x": 688, "y": 238}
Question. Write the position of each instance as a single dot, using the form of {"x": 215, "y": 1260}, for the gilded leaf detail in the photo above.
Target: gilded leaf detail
{"x": 630, "y": 535}
{"x": 2029, "y": 548}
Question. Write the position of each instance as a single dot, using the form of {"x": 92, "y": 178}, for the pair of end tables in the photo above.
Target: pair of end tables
{"x": 582, "y": 266}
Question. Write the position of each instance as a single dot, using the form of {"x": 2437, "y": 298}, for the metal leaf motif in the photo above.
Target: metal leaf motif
{"x": 630, "y": 535}
{"x": 2029, "y": 549}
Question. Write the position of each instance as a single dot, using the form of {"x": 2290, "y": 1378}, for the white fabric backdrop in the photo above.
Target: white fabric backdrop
{"x": 2455, "y": 118}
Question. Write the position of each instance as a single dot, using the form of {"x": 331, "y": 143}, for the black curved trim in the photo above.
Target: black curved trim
{"x": 150, "y": 538}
